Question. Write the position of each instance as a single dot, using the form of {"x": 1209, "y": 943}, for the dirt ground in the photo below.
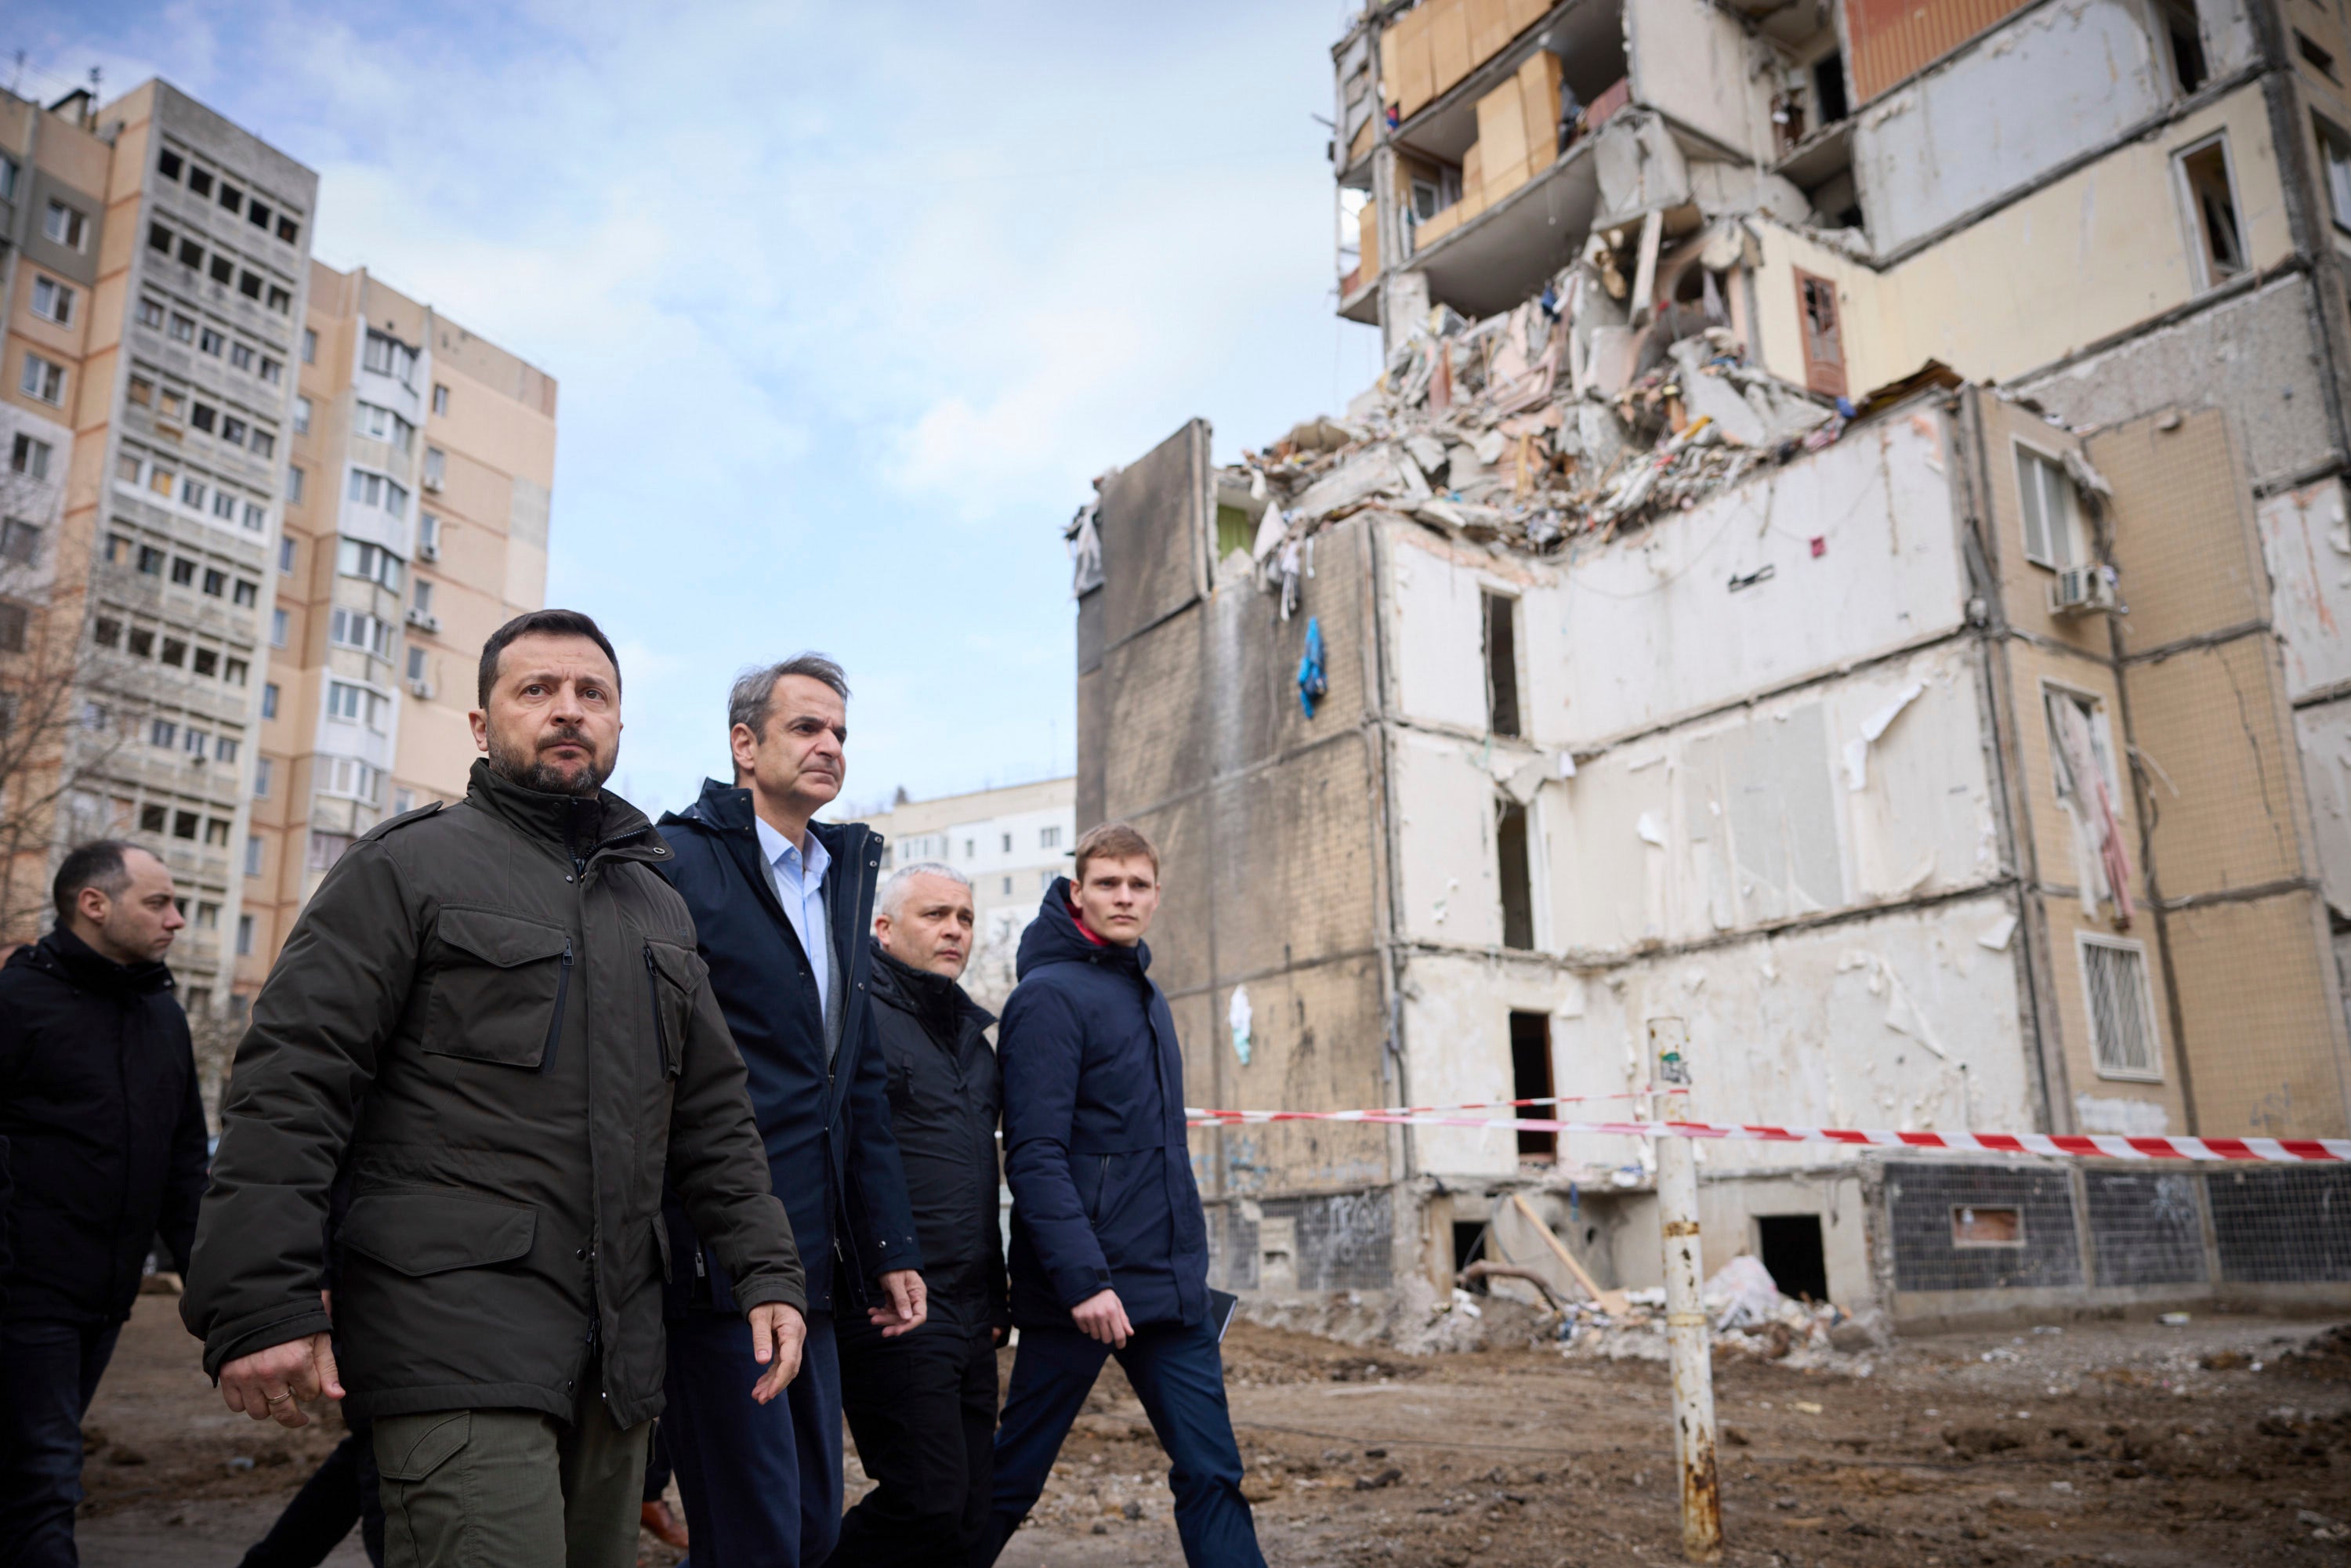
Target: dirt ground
{"x": 2136, "y": 1444}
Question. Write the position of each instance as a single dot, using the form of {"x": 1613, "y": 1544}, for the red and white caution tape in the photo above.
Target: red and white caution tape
{"x": 2095, "y": 1146}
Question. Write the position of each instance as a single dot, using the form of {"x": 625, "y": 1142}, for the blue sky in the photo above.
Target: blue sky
{"x": 848, "y": 303}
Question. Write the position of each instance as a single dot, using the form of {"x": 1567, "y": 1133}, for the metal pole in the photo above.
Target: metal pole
{"x": 1686, "y": 1340}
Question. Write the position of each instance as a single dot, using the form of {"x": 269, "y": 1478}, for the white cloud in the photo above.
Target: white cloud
{"x": 845, "y": 303}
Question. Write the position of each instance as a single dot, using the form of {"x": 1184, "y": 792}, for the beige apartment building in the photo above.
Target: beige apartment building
{"x": 256, "y": 519}
{"x": 154, "y": 272}
{"x": 421, "y": 461}
{"x": 1848, "y": 551}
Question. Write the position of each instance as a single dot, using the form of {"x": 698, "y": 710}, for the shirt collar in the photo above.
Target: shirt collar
{"x": 778, "y": 850}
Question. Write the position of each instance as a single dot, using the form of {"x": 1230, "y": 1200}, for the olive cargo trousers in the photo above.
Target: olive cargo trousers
{"x": 510, "y": 1489}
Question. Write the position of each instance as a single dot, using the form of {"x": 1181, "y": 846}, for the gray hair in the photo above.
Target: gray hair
{"x": 753, "y": 696}
{"x": 893, "y": 896}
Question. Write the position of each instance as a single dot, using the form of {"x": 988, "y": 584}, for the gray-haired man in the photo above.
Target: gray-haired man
{"x": 923, "y": 1407}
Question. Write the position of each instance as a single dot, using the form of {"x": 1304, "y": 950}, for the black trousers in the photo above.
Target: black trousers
{"x": 923, "y": 1410}
{"x": 48, "y": 1373}
{"x": 341, "y": 1492}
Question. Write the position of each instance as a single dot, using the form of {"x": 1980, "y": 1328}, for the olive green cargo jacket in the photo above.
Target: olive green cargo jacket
{"x": 488, "y": 1034}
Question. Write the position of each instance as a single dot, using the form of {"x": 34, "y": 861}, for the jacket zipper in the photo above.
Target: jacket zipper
{"x": 661, "y": 1030}
{"x": 555, "y": 1024}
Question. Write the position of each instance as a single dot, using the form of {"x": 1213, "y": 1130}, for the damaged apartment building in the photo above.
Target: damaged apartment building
{"x": 1849, "y": 550}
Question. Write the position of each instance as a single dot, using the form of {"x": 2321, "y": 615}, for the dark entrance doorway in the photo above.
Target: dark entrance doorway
{"x": 1790, "y": 1249}
{"x": 1530, "y": 1080}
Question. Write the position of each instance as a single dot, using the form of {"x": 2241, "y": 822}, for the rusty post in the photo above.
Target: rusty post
{"x": 1686, "y": 1340}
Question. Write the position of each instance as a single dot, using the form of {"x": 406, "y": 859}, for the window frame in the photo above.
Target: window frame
{"x": 2153, "y": 1072}
{"x": 2184, "y": 191}
{"x": 2078, "y": 553}
{"x": 60, "y": 293}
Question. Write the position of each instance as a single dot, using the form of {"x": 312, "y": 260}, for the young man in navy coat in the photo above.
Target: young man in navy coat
{"x": 1110, "y": 1249}
{"x": 781, "y": 904}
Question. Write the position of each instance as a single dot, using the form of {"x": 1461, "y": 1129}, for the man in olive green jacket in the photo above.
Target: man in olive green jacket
{"x": 487, "y": 1037}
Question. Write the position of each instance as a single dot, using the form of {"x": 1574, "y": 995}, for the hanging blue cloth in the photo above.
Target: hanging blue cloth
{"x": 1311, "y": 683}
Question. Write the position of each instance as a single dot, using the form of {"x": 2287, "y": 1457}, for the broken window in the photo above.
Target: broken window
{"x": 1816, "y": 304}
{"x": 1510, "y": 841}
{"x": 2317, "y": 58}
{"x": 2212, "y": 195}
{"x": 1974, "y": 1227}
{"x": 1828, "y": 87}
{"x": 2045, "y": 496}
{"x": 1530, "y": 1080}
{"x": 1502, "y": 663}
{"x": 1234, "y": 530}
{"x": 2335, "y": 154}
{"x": 2122, "y": 1010}
{"x": 2186, "y": 37}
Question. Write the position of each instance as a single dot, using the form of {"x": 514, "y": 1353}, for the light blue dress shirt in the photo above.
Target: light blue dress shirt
{"x": 800, "y": 888}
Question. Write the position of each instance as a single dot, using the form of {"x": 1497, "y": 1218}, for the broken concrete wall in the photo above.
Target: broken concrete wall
{"x": 2046, "y": 87}
{"x": 2249, "y": 355}
{"x": 1694, "y": 62}
{"x": 2323, "y": 733}
{"x": 1908, "y": 1018}
{"x": 1627, "y": 635}
{"x": 2055, "y": 272}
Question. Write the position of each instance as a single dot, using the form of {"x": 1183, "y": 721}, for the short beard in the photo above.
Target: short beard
{"x": 533, "y": 774}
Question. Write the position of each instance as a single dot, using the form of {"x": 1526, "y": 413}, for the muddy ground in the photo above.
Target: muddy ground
{"x": 2113, "y": 1443}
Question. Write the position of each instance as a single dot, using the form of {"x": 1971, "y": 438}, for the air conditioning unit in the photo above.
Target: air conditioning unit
{"x": 2084, "y": 589}
{"x": 423, "y": 689}
{"x": 428, "y": 549}
{"x": 424, "y": 621}
{"x": 432, "y": 481}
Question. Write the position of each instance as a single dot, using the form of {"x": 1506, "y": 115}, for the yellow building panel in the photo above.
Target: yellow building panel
{"x": 2182, "y": 528}
{"x": 2265, "y": 1036}
{"x": 2013, "y": 438}
{"x": 2228, "y": 800}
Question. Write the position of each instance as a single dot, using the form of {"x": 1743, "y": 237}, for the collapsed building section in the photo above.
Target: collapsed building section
{"x": 1820, "y": 763}
{"x": 1848, "y": 549}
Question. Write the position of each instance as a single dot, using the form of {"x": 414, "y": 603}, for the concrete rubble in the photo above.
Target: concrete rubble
{"x": 1561, "y": 419}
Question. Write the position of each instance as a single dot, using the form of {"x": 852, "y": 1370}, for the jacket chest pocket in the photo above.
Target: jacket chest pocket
{"x": 673, "y": 973}
{"x": 501, "y": 988}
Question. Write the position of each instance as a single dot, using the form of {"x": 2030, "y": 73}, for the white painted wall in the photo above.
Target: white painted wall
{"x": 1447, "y": 880}
{"x": 2050, "y": 85}
{"x": 1648, "y": 629}
{"x": 1753, "y": 817}
{"x": 2306, "y": 542}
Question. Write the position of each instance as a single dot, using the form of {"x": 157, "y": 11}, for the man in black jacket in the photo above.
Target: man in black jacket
{"x": 490, "y": 1028}
{"x": 780, "y": 907}
{"x": 98, "y": 1107}
{"x": 923, "y": 1409}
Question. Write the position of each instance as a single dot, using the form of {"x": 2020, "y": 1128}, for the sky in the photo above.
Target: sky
{"x": 848, "y": 304}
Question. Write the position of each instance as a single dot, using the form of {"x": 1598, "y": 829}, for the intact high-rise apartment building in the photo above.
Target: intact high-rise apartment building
{"x": 416, "y": 515}
{"x": 155, "y": 274}
{"x": 254, "y": 513}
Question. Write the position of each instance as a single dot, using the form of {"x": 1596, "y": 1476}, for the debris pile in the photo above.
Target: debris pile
{"x": 1745, "y": 1311}
{"x": 1563, "y": 418}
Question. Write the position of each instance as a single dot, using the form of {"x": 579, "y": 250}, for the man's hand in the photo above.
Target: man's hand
{"x": 777, "y": 1331}
{"x": 266, "y": 1384}
{"x": 910, "y": 1304}
{"x": 1103, "y": 1316}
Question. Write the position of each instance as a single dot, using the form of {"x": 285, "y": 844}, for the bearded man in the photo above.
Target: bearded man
{"x": 485, "y": 1037}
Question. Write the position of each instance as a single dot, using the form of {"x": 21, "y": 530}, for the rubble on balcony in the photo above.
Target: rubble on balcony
{"x": 1557, "y": 421}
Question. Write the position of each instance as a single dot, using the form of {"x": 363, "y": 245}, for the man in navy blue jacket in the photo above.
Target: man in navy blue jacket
{"x": 781, "y": 906}
{"x": 1110, "y": 1250}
